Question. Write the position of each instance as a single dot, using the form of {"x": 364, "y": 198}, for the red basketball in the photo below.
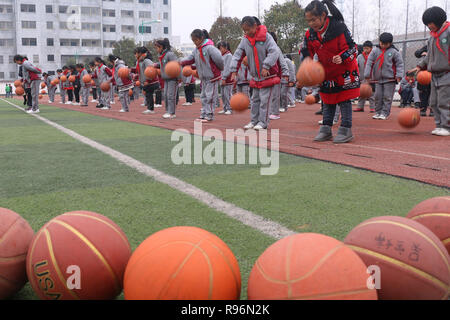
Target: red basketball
{"x": 424, "y": 77}
{"x": 187, "y": 71}
{"x": 124, "y": 73}
{"x": 182, "y": 263}
{"x": 435, "y": 215}
{"x": 17, "y": 83}
{"x": 138, "y": 83}
{"x": 245, "y": 61}
{"x": 87, "y": 79}
{"x": 366, "y": 91}
{"x": 409, "y": 118}
{"x": 173, "y": 69}
{"x": 413, "y": 263}
{"x": 15, "y": 238}
{"x": 310, "y": 99}
{"x": 151, "y": 73}
{"x": 309, "y": 267}
{"x": 239, "y": 102}
{"x": 63, "y": 78}
{"x": 310, "y": 73}
{"x": 20, "y": 91}
{"x": 72, "y": 78}
{"x": 43, "y": 85}
{"x": 83, "y": 242}
{"x": 105, "y": 86}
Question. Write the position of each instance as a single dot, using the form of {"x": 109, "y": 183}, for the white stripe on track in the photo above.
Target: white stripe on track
{"x": 266, "y": 226}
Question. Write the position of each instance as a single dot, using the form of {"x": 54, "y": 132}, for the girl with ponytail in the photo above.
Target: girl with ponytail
{"x": 329, "y": 38}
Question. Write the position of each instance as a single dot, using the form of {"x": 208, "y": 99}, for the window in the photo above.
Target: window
{"x": 29, "y": 42}
{"x": 50, "y": 42}
{"x": 6, "y": 25}
{"x": 51, "y": 58}
{"x": 145, "y": 29}
{"x": 28, "y": 8}
{"x": 127, "y": 29}
{"x": 108, "y": 44}
{"x": 127, "y": 14}
{"x": 12, "y": 75}
{"x": 109, "y": 13}
{"x": 1, "y": 60}
{"x": 87, "y": 26}
{"x": 145, "y": 1}
{"x": 2, "y": 75}
{"x": 49, "y": 25}
{"x": 28, "y": 24}
{"x": 166, "y": 16}
{"x": 63, "y": 9}
{"x": 4, "y": 8}
{"x": 69, "y": 42}
{"x": 90, "y": 43}
{"x": 166, "y": 2}
{"x": 90, "y": 11}
{"x": 49, "y": 9}
{"x": 109, "y": 28}
{"x": 6, "y": 42}
{"x": 35, "y": 58}
{"x": 145, "y": 14}
{"x": 166, "y": 30}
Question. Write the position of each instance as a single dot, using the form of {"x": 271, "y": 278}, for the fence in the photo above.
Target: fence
{"x": 408, "y": 48}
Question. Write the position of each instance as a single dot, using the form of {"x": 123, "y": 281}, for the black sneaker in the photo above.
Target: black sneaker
{"x": 99, "y": 106}
{"x": 319, "y": 113}
{"x": 423, "y": 113}
{"x": 431, "y": 114}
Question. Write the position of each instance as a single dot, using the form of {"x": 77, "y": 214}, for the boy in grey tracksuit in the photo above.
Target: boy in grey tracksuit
{"x": 51, "y": 88}
{"x": 243, "y": 80}
{"x": 362, "y": 60}
{"x": 31, "y": 75}
{"x": 286, "y": 85}
{"x": 385, "y": 67}
{"x": 227, "y": 84}
{"x": 209, "y": 62}
{"x": 103, "y": 73}
{"x": 123, "y": 85}
{"x": 283, "y": 73}
{"x": 84, "y": 87}
{"x": 170, "y": 84}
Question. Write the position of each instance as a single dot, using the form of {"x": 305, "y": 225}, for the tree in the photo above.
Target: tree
{"x": 287, "y": 21}
{"x": 125, "y": 50}
{"x": 227, "y": 29}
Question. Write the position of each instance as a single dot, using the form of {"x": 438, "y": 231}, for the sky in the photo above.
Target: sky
{"x": 188, "y": 15}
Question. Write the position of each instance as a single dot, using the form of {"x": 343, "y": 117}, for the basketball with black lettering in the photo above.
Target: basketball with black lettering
{"x": 78, "y": 256}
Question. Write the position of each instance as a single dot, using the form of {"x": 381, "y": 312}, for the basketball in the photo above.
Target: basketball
{"x": 93, "y": 83}
{"x": 84, "y": 241}
{"x": 424, "y": 77}
{"x": 435, "y": 215}
{"x": 17, "y": 83}
{"x": 182, "y": 263}
{"x": 15, "y": 238}
{"x": 138, "y": 83}
{"x": 43, "y": 85}
{"x": 55, "y": 82}
{"x": 72, "y": 79}
{"x": 409, "y": 118}
{"x": 105, "y": 86}
{"x": 124, "y": 73}
{"x": 172, "y": 69}
{"x": 158, "y": 71}
{"x": 239, "y": 102}
{"x": 413, "y": 263}
{"x": 63, "y": 78}
{"x": 151, "y": 73}
{"x": 366, "y": 91}
{"x": 130, "y": 92}
{"x": 310, "y": 73}
{"x": 187, "y": 71}
{"x": 20, "y": 91}
{"x": 310, "y": 99}
{"x": 40, "y": 96}
{"x": 245, "y": 61}
{"x": 87, "y": 79}
{"x": 195, "y": 73}
{"x": 42, "y": 91}
{"x": 309, "y": 266}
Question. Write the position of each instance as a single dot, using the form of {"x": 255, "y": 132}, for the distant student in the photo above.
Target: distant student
{"x": 227, "y": 84}
{"x": 67, "y": 85}
{"x": 51, "y": 88}
{"x": 406, "y": 91}
{"x": 96, "y": 86}
{"x": 362, "y": 61}
{"x": 263, "y": 54}
{"x": 209, "y": 62}
{"x": 76, "y": 85}
{"x": 243, "y": 80}
{"x": 385, "y": 67}
{"x": 189, "y": 89}
{"x": 424, "y": 90}
{"x": 166, "y": 55}
{"x": 31, "y": 76}
{"x": 437, "y": 61}
{"x": 8, "y": 90}
{"x": 123, "y": 84}
{"x": 143, "y": 61}
{"x": 104, "y": 74}
{"x": 286, "y": 85}
{"x": 84, "y": 87}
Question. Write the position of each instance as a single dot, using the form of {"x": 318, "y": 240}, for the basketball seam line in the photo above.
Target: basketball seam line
{"x": 3, "y": 237}
{"x": 331, "y": 294}
{"x": 8, "y": 281}
{"x": 431, "y": 215}
{"x": 24, "y": 255}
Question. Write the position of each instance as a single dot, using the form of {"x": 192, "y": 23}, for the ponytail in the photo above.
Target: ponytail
{"x": 250, "y": 21}
{"x": 317, "y": 8}
{"x": 334, "y": 10}
{"x": 164, "y": 43}
{"x": 205, "y": 34}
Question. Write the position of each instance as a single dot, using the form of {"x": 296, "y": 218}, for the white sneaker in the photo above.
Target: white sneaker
{"x": 382, "y": 117}
{"x": 292, "y": 106}
{"x": 37, "y": 111}
{"x": 228, "y": 113}
{"x": 376, "y": 117}
{"x": 249, "y": 126}
{"x": 321, "y": 122}
{"x": 113, "y": 102}
{"x": 50, "y": 101}
{"x": 158, "y": 105}
{"x": 274, "y": 117}
{"x": 436, "y": 131}
{"x": 68, "y": 102}
{"x": 221, "y": 112}
{"x": 258, "y": 127}
{"x": 148, "y": 112}
{"x": 76, "y": 104}
{"x": 143, "y": 105}
{"x": 443, "y": 133}
{"x": 123, "y": 111}
{"x": 29, "y": 111}
{"x": 169, "y": 116}
{"x": 283, "y": 110}
{"x": 105, "y": 108}
{"x": 94, "y": 101}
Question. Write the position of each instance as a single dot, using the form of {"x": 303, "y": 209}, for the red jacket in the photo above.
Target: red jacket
{"x": 342, "y": 81}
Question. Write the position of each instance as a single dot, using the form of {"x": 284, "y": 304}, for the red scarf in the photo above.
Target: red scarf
{"x": 323, "y": 30}
{"x": 366, "y": 56}
{"x": 260, "y": 35}
{"x": 381, "y": 58}
{"x": 436, "y": 35}
{"x": 161, "y": 57}
{"x": 138, "y": 67}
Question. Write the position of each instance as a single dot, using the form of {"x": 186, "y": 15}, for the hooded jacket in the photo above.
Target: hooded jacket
{"x": 384, "y": 71}
{"x": 30, "y": 72}
{"x": 164, "y": 58}
{"x": 437, "y": 60}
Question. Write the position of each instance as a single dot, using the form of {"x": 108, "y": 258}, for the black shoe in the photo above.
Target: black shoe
{"x": 431, "y": 114}
{"x": 99, "y": 106}
{"x": 423, "y": 113}
{"x": 319, "y": 113}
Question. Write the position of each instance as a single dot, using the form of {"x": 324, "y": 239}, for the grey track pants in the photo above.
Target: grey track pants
{"x": 226, "y": 96}
{"x": 262, "y": 100}
{"x": 210, "y": 93}
{"x": 440, "y": 100}
{"x": 384, "y": 94}
{"x": 170, "y": 95}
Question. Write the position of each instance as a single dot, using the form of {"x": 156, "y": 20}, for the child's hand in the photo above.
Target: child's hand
{"x": 233, "y": 77}
{"x": 412, "y": 71}
{"x": 286, "y": 78}
{"x": 337, "y": 59}
{"x": 265, "y": 73}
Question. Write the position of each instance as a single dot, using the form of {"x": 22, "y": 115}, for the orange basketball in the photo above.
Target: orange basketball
{"x": 87, "y": 79}
{"x": 84, "y": 241}
{"x": 309, "y": 266}
{"x": 239, "y": 102}
{"x": 55, "y": 82}
{"x": 195, "y": 73}
{"x": 173, "y": 69}
{"x": 424, "y": 77}
{"x": 182, "y": 263}
{"x": 17, "y": 83}
{"x": 63, "y": 78}
{"x": 72, "y": 78}
{"x": 130, "y": 92}
{"x": 124, "y": 73}
{"x": 105, "y": 86}
{"x": 413, "y": 263}
{"x": 43, "y": 85}
{"x": 138, "y": 83}
{"x": 15, "y": 238}
{"x": 187, "y": 71}
{"x": 310, "y": 99}
{"x": 435, "y": 215}
{"x": 41, "y": 96}
{"x": 366, "y": 91}
{"x": 310, "y": 73}
{"x": 20, "y": 91}
{"x": 151, "y": 73}
{"x": 245, "y": 61}
{"x": 158, "y": 71}
{"x": 409, "y": 118}
{"x": 42, "y": 91}
{"x": 93, "y": 83}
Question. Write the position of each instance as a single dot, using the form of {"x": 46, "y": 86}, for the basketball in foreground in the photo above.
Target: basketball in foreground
{"x": 424, "y": 77}
{"x": 309, "y": 267}
{"x": 182, "y": 263}
{"x": 105, "y": 86}
{"x": 173, "y": 69}
{"x": 413, "y": 263}
{"x": 435, "y": 215}
{"x": 15, "y": 238}
{"x": 409, "y": 118}
{"x": 239, "y": 102}
{"x": 310, "y": 73}
{"x": 310, "y": 99}
{"x": 366, "y": 91}
{"x": 78, "y": 255}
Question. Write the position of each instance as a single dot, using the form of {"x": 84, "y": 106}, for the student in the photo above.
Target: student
{"x": 31, "y": 76}
{"x": 226, "y": 84}
{"x": 437, "y": 61}
{"x": 84, "y": 87}
{"x": 209, "y": 63}
{"x": 286, "y": 85}
{"x": 189, "y": 89}
{"x": 329, "y": 38}
{"x": 170, "y": 84}
{"x": 50, "y": 87}
{"x": 96, "y": 86}
{"x": 8, "y": 90}
{"x": 68, "y": 86}
{"x": 385, "y": 67}
{"x": 424, "y": 90}
{"x": 76, "y": 85}
{"x": 243, "y": 80}
{"x": 143, "y": 61}
{"x": 123, "y": 84}
{"x": 62, "y": 93}
{"x": 112, "y": 92}
{"x": 103, "y": 73}
{"x": 262, "y": 53}
{"x": 406, "y": 91}
{"x": 362, "y": 61}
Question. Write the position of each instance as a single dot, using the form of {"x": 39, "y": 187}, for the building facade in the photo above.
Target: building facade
{"x": 53, "y": 32}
